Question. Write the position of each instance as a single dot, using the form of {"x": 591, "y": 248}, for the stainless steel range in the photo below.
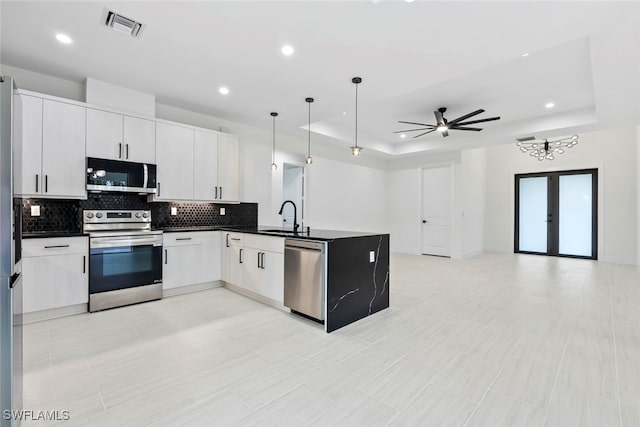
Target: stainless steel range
{"x": 125, "y": 258}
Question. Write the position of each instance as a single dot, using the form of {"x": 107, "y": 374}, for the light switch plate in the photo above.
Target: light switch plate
{"x": 223, "y": 211}
{"x": 35, "y": 210}
{"x": 372, "y": 256}
{"x": 174, "y": 210}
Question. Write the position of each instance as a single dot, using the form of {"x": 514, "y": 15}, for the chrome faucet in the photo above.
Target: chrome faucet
{"x": 295, "y": 214}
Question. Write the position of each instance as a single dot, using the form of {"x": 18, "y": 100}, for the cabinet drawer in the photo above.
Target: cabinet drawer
{"x": 264, "y": 243}
{"x": 233, "y": 239}
{"x": 182, "y": 239}
{"x": 55, "y": 246}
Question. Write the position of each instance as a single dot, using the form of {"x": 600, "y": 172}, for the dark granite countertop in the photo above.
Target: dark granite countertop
{"x": 45, "y": 234}
{"x": 313, "y": 234}
{"x": 187, "y": 229}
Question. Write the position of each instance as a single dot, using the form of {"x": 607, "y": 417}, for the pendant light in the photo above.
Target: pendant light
{"x": 309, "y": 160}
{"x": 274, "y": 166}
{"x": 355, "y": 150}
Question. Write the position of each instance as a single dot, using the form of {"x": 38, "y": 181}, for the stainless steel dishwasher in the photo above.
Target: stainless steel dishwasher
{"x": 304, "y": 277}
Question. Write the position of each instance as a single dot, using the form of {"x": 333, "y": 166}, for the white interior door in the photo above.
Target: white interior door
{"x": 436, "y": 211}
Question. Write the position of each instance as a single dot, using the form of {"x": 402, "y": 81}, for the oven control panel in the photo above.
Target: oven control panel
{"x": 115, "y": 216}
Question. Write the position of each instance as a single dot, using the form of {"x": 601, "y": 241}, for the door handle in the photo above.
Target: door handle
{"x": 37, "y": 179}
{"x": 84, "y": 264}
{"x": 120, "y": 150}
{"x": 262, "y": 261}
{"x": 240, "y": 256}
{"x": 259, "y": 253}
{"x": 424, "y": 221}
{"x": 216, "y": 187}
{"x": 227, "y": 240}
{"x": 127, "y": 150}
{"x": 56, "y": 246}
{"x": 184, "y": 238}
{"x": 158, "y": 189}
{"x": 46, "y": 183}
{"x": 221, "y": 192}
{"x": 166, "y": 257}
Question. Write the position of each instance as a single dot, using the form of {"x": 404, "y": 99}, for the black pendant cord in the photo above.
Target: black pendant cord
{"x": 273, "y": 151}
{"x": 356, "y": 115}
{"x": 309, "y": 133}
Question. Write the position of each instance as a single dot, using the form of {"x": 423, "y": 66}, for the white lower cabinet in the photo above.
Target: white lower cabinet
{"x": 54, "y": 273}
{"x": 255, "y": 263}
{"x": 190, "y": 258}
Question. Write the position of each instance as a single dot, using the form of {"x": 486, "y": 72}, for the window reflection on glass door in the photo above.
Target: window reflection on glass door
{"x": 556, "y": 213}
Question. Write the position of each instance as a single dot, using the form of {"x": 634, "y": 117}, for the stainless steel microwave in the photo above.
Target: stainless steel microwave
{"x": 115, "y": 175}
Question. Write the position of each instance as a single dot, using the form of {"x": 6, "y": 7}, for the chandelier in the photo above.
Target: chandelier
{"x": 545, "y": 148}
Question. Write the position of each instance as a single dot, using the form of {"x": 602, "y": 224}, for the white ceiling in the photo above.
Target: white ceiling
{"x": 413, "y": 58}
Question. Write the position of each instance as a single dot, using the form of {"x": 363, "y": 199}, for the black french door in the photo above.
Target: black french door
{"x": 556, "y": 213}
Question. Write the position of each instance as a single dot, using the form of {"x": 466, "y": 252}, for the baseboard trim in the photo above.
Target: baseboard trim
{"x": 54, "y": 313}
{"x": 404, "y": 250}
{"x": 255, "y": 296}
{"x": 172, "y": 292}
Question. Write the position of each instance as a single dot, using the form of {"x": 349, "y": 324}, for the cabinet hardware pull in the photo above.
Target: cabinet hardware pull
{"x": 220, "y": 193}
{"x": 234, "y": 238}
{"x": 227, "y": 240}
{"x": 259, "y": 253}
{"x": 46, "y": 183}
{"x": 158, "y": 189}
{"x": 120, "y": 150}
{"x": 84, "y": 264}
{"x": 56, "y": 246}
{"x": 240, "y": 256}
{"x": 127, "y": 145}
{"x": 216, "y": 187}
{"x": 262, "y": 261}
{"x": 166, "y": 257}
{"x": 184, "y": 238}
{"x": 37, "y": 179}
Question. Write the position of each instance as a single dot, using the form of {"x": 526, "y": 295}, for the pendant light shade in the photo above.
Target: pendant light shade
{"x": 309, "y": 159}
{"x": 274, "y": 166}
{"x": 355, "y": 150}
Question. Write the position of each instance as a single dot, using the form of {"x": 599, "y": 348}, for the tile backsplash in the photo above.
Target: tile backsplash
{"x": 66, "y": 215}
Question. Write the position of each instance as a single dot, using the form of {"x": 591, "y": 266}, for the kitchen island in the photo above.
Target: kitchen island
{"x": 356, "y": 271}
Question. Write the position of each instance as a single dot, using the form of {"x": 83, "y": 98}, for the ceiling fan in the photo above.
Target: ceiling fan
{"x": 444, "y": 126}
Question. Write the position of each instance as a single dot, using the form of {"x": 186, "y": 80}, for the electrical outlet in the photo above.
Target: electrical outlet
{"x": 35, "y": 210}
{"x": 223, "y": 211}
{"x": 174, "y": 210}
{"x": 372, "y": 256}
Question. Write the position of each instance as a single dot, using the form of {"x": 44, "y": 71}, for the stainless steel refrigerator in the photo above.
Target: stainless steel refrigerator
{"x": 10, "y": 268}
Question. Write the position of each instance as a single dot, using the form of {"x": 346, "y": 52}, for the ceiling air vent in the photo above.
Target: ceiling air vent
{"x": 122, "y": 24}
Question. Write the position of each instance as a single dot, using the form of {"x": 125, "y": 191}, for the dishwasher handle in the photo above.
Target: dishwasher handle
{"x": 295, "y": 244}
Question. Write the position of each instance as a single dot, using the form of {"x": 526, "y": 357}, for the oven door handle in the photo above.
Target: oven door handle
{"x": 119, "y": 242}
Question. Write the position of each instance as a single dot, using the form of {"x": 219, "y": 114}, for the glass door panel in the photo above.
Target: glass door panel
{"x": 575, "y": 215}
{"x": 532, "y": 215}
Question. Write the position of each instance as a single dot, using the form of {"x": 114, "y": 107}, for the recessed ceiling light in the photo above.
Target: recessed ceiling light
{"x": 525, "y": 54}
{"x": 549, "y": 105}
{"x": 63, "y": 38}
{"x": 287, "y": 50}
{"x": 403, "y": 135}
{"x": 344, "y": 113}
{"x": 224, "y": 90}
{"x": 409, "y": 1}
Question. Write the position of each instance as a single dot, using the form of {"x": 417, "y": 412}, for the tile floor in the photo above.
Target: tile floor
{"x": 497, "y": 340}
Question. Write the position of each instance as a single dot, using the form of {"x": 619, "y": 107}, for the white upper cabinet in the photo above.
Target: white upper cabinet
{"x": 174, "y": 159}
{"x": 228, "y": 158}
{"x": 50, "y": 148}
{"x": 118, "y": 137}
{"x": 205, "y": 166}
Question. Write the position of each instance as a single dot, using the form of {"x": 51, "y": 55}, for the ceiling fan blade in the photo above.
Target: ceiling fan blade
{"x": 466, "y": 116}
{"x": 429, "y": 131}
{"x": 411, "y": 130}
{"x": 478, "y": 121}
{"x": 439, "y": 117}
{"x": 419, "y": 124}
{"x": 464, "y": 128}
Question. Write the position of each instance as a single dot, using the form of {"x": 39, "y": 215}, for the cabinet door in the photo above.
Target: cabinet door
{"x": 252, "y": 274}
{"x": 139, "y": 140}
{"x": 104, "y": 135}
{"x": 54, "y": 281}
{"x": 182, "y": 266}
{"x": 63, "y": 150}
{"x": 174, "y": 159}
{"x": 233, "y": 266}
{"x": 205, "y": 166}
{"x": 212, "y": 257}
{"x": 28, "y": 139}
{"x": 228, "y": 158}
{"x": 272, "y": 276}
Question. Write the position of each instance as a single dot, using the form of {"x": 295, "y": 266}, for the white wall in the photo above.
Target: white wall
{"x": 612, "y": 152}
{"x": 470, "y": 200}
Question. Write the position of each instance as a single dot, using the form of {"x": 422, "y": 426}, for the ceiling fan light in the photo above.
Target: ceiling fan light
{"x": 356, "y": 151}
{"x": 442, "y": 127}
